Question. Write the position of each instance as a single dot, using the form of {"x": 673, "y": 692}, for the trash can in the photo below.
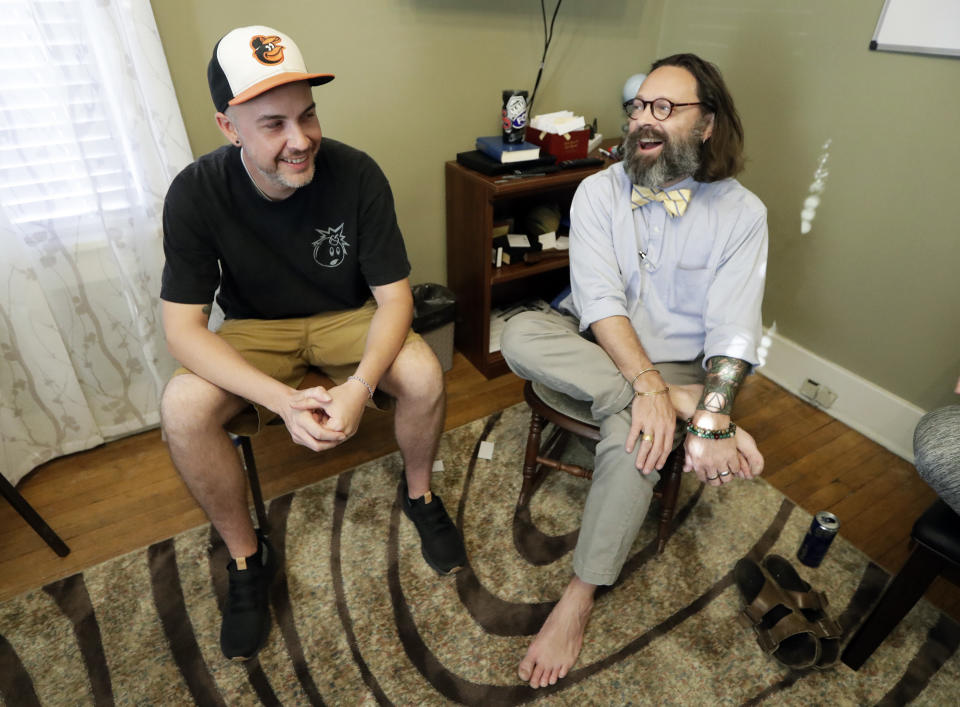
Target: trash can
{"x": 434, "y": 309}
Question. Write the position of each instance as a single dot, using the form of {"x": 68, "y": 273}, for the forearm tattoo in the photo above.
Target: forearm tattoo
{"x": 724, "y": 376}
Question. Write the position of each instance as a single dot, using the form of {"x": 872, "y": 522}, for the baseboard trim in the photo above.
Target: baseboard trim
{"x": 866, "y": 407}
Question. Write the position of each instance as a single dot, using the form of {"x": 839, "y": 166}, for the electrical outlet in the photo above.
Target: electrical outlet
{"x": 825, "y": 397}
{"x": 809, "y": 388}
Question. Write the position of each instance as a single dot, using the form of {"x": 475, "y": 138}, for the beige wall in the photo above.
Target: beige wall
{"x": 419, "y": 80}
{"x": 872, "y": 287}
{"x": 875, "y": 285}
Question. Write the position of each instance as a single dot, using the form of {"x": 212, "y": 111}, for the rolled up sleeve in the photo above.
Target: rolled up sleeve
{"x": 595, "y": 277}
{"x": 732, "y": 317}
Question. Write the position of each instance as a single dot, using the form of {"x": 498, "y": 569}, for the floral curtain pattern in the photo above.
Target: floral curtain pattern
{"x": 90, "y": 138}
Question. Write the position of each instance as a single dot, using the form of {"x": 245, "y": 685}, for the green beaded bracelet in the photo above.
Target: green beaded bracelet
{"x": 711, "y": 434}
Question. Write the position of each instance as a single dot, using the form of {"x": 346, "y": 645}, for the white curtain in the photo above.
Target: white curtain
{"x": 90, "y": 138}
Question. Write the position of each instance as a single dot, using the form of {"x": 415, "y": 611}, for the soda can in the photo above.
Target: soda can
{"x": 513, "y": 112}
{"x": 822, "y": 531}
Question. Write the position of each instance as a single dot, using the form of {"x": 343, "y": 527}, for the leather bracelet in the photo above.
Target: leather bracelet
{"x": 365, "y": 384}
{"x": 652, "y": 392}
{"x": 711, "y": 434}
{"x": 645, "y": 370}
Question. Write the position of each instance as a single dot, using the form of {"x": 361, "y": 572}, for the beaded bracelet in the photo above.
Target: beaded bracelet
{"x": 365, "y": 384}
{"x": 651, "y": 392}
{"x": 645, "y": 370}
{"x": 711, "y": 434}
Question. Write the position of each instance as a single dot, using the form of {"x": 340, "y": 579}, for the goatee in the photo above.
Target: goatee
{"x": 679, "y": 157}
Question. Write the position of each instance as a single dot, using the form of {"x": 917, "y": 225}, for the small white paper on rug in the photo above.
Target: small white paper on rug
{"x": 438, "y": 465}
{"x": 486, "y": 450}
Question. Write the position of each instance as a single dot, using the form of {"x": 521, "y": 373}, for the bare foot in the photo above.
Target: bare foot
{"x": 557, "y": 645}
{"x": 751, "y": 460}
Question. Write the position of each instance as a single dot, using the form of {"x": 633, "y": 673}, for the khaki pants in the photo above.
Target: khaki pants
{"x": 285, "y": 349}
{"x": 547, "y": 348}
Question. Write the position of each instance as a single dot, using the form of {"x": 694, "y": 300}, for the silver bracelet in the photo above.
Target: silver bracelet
{"x": 365, "y": 384}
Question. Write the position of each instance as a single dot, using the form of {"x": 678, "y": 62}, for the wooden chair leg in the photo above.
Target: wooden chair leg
{"x": 673, "y": 471}
{"x": 903, "y": 591}
{"x": 35, "y": 520}
{"x": 530, "y": 459}
{"x": 250, "y": 465}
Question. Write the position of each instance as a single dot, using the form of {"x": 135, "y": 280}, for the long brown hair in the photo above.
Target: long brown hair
{"x": 722, "y": 155}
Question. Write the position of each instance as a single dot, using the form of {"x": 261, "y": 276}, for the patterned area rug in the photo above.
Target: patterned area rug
{"x": 361, "y": 619}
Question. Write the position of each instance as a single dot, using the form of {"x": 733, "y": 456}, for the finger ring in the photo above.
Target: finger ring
{"x": 725, "y": 473}
{"x": 712, "y": 478}
{"x": 647, "y": 438}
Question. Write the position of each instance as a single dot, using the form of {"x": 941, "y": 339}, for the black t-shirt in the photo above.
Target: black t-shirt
{"x": 319, "y": 250}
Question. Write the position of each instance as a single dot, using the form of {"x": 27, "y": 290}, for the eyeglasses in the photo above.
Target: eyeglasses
{"x": 660, "y": 108}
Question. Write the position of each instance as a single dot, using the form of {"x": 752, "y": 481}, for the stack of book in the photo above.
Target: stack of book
{"x": 505, "y": 152}
{"x": 493, "y": 156}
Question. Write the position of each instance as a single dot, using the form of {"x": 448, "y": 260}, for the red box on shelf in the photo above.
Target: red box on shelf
{"x": 570, "y": 146}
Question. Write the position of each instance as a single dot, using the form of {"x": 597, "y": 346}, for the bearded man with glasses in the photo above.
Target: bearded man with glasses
{"x": 667, "y": 261}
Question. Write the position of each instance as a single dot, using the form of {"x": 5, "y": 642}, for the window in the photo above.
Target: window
{"x": 60, "y": 156}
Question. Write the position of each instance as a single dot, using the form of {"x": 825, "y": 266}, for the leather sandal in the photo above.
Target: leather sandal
{"x": 782, "y": 630}
{"x": 811, "y": 603}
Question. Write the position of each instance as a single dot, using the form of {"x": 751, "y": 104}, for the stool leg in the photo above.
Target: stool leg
{"x": 530, "y": 459}
{"x": 35, "y": 520}
{"x": 246, "y": 451}
{"x": 668, "y": 497}
{"x": 903, "y": 591}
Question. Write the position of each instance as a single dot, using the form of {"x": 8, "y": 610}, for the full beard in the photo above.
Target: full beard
{"x": 679, "y": 157}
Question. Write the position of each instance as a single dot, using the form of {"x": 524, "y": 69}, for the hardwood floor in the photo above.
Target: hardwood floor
{"x": 125, "y": 495}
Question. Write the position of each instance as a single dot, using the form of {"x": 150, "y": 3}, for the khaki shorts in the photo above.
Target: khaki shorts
{"x": 285, "y": 349}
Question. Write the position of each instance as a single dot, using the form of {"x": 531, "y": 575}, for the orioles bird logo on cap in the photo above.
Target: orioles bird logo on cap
{"x": 267, "y": 50}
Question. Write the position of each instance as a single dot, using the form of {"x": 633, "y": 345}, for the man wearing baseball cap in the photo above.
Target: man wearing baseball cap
{"x": 293, "y": 233}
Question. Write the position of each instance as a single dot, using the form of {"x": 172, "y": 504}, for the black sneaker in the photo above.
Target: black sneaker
{"x": 440, "y": 541}
{"x": 246, "y": 612}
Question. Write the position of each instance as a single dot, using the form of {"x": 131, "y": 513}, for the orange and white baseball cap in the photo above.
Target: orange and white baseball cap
{"x": 248, "y": 61}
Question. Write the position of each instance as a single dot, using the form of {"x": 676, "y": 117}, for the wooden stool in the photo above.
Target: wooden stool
{"x": 570, "y": 416}
{"x": 313, "y": 378}
{"x": 936, "y": 550}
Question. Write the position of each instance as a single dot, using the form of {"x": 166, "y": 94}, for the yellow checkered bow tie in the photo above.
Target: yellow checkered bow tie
{"x": 674, "y": 201}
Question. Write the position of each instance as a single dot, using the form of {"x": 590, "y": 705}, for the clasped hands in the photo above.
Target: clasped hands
{"x": 715, "y": 462}
{"x": 719, "y": 461}
{"x": 319, "y": 418}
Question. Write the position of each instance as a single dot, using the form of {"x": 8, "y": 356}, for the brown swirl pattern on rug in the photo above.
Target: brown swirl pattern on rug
{"x": 359, "y": 618}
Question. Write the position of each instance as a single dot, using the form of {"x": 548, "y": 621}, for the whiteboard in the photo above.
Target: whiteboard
{"x": 923, "y": 26}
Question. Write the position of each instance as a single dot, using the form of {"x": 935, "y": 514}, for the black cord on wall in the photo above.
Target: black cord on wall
{"x": 547, "y": 38}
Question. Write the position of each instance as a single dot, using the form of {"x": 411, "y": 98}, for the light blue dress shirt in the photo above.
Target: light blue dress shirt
{"x": 689, "y": 284}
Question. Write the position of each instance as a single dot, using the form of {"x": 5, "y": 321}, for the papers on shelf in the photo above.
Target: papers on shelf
{"x": 560, "y": 122}
{"x": 501, "y": 315}
{"x": 548, "y": 240}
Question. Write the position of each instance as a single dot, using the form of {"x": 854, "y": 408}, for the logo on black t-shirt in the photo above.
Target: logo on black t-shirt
{"x": 330, "y": 249}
